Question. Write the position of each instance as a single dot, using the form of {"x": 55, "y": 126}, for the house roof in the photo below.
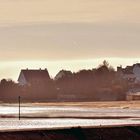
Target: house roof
{"x": 129, "y": 69}
{"x": 63, "y": 73}
{"x": 35, "y": 75}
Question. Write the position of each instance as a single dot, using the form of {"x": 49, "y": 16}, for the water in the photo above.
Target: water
{"x": 50, "y": 117}
{"x": 48, "y": 124}
{"x": 66, "y": 111}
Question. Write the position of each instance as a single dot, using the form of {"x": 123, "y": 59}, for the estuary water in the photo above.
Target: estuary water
{"x": 58, "y": 117}
{"x": 66, "y": 111}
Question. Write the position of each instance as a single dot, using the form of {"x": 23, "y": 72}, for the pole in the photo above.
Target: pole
{"x": 19, "y": 107}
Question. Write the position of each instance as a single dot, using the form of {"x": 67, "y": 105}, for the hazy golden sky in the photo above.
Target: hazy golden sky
{"x": 66, "y": 30}
{"x": 35, "y": 11}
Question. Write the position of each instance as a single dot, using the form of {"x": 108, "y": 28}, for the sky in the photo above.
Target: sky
{"x": 67, "y": 34}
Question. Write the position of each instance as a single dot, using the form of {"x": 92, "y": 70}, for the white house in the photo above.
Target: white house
{"x": 136, "y": 71}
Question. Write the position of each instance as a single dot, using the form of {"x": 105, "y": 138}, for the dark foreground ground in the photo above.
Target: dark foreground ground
{"x": 124, "y": 133}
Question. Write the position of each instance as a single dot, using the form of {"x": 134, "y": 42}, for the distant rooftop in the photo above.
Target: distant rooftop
{"x": 63, "y": 73}
{"x": 34, "y": 75}
{"x": 128, "y": 69}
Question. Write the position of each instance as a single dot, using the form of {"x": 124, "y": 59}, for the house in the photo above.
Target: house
{"x": 63, "y": 73}
{"x": 28, "y": 77}
{"x": 130, "y": 73}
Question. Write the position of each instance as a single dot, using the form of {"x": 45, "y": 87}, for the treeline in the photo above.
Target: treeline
{"x": 97, "y": 84}
{"x": 36, "y": 92}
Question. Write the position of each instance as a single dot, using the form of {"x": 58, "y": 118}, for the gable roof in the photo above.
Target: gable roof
{"x": 63, "y": 73}
{"x": 35, "y": 75}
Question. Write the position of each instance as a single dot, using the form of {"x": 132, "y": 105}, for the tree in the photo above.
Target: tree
{"x": 105, "y": 67}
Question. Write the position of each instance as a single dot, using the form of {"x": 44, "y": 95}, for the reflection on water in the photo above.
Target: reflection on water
{"x": 40, "y": 117}
{"x": 66, "y": 111}
{"x": 15, "y": 124}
